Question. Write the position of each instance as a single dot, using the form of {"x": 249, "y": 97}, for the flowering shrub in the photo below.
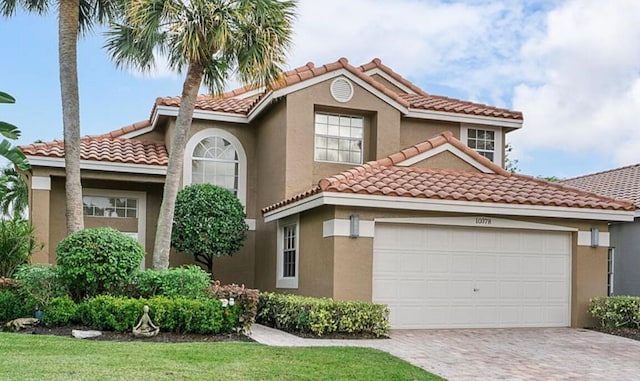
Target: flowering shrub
{"x": 245, "y": 298}
{"x": 321, "y": 316}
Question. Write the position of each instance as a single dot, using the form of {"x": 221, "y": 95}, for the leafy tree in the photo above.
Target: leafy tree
{"x": 510, "y": 164}
{"x": 208, "y": 223}
{"x": 210, "y": 40}
{"x": 14, "y": 195}
{"x": 75, "y": 17}
{"x": 9, "y": 131}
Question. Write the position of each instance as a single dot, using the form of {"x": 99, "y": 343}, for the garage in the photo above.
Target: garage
{"x": 434, "y": 276}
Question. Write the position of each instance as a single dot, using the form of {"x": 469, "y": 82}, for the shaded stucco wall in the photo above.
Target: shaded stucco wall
{"x": 625, "y": 238}
{"x": 446, "y": 160}
{"x": 413, "y": 131}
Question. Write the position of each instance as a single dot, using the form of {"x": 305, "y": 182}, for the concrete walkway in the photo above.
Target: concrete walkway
{"x": 497, "y": 354}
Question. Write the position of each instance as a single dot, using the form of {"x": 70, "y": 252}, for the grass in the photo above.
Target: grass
{"x": 39, "y": 357}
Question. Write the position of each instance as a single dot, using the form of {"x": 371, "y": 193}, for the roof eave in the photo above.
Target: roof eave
{"x": 512, "y": 124}
{"x": 456, "y": 206}
{"x": 58, "y": 162}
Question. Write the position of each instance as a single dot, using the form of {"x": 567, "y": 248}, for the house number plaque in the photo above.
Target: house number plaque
{"x": 483, "y": 221}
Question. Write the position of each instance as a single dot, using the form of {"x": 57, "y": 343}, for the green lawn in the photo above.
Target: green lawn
{"x": 38, "y": 357}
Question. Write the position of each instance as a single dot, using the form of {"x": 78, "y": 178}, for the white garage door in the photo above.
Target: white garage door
{"x": 458, "y": 277}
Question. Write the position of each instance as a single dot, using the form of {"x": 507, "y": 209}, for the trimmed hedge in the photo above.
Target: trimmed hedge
{"x": 204, "y": 316}
{"x": 321, "y": 316}
{"x": 13, "y": 305}
{"x": 616, "y": 311}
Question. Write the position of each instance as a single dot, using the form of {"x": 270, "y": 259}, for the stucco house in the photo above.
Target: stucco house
{"x": 357, "y": 185}
{"x": 624, "y": 252}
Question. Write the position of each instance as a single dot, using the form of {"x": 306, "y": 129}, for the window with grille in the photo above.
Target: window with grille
{"x": 482, "y": 141}
{"x": 611, "y": 262}
{"x": 289, "y": 251}
{"x": 215, "y": 161}
{"x": 112, "y": 207}
{"x": 338, "y": 138}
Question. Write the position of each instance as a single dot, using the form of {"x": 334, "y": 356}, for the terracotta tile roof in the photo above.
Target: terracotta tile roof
{"x": 440, "y": 103}
{"x": 383, "y": 177}
{"x": 240, "y": 106}
{"x": 621, "y": 183}
{"x": 126, "y": 129}
{"x": 232, "y": 102}
{"x": 377, "y": 63}
{"x": 100, "y": 148}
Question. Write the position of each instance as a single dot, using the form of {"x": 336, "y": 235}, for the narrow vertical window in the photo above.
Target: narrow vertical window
{"x": 288, "y": 255}
{"x": 610, "y": 272}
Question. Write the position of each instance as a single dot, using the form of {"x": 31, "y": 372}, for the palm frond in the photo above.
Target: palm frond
{"x": 8, "y": 7}
{"x": 14, "y": 155}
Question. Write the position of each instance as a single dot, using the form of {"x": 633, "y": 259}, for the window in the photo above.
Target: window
{"x": 338, "y": 138}
{"x": 611, "y": 262}
{"x": 113, "y": 207}
{"x": 216, "y": 156}
{"x": 482, "y": 141}
{"x": 215, "y": 161}
{"x": 288, "y": 253}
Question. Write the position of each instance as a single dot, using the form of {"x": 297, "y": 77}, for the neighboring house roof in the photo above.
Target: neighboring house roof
{"x": 385, "y": 177}
{"x": 236, "y": 102}
{"x": 621, "y": 183}
{"x": 106, "y": 149}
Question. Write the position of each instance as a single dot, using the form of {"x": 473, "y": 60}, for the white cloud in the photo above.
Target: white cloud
{"x": 585, "y": 96}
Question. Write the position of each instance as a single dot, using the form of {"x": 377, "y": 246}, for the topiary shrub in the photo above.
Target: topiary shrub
{"x": 97, "y": 261}
{"x": 208, "y": 223}
{"x": 321, "y": 316}
{"x": 188, "y": 281}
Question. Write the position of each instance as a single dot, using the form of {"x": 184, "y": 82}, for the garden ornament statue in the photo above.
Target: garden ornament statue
{"x": 145, "y": 327}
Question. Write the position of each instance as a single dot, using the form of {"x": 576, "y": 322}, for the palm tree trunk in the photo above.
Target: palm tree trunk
{"x": 176, "y": 161}
{"x": 67, "y": 57}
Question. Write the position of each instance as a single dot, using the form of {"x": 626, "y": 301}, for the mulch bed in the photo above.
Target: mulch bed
{"x": 162, "y": 337}
{"x": 629, "y": 333}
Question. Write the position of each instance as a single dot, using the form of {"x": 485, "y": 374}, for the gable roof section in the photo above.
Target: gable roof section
{"x": 387, "y": 183}
{"x": 104, "y": 151}
{"x": 248, "y": 101}
{"x": 622, "y": 183}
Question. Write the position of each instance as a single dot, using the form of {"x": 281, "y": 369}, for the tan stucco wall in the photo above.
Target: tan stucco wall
{"x": 316, "y": 256}
{"x": 384, "y": 122}
{"x": 271, "y": 156}
{"x": 414, "y": 131}
{"x": 446, "y": 160}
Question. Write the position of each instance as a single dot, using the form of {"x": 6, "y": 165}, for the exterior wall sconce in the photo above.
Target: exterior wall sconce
{"x": 354, "y": 226}
{"x": 595, "y": 237}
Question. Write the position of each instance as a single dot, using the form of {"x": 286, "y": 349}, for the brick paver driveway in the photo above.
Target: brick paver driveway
{"x": 499, "y": 354}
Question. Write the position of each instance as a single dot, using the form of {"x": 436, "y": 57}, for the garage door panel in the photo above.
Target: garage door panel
{"x": 428, "y": 275}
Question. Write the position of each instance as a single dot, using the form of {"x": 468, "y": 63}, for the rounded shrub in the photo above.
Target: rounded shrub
{"x": 97, "y": 261}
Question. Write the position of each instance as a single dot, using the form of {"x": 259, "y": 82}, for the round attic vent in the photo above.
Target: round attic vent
{"x": 341, "y": 90}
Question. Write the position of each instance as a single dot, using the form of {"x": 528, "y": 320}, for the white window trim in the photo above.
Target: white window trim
{"x": 327, "y": 135}
{"x": 497, "y": 154}
{"x": 611, "y": 270}
{"x": 242, "y": 158}
{"x": 142, "y": 207}
{"x": 281, "y": 281}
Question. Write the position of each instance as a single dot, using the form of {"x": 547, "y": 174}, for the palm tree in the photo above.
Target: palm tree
{"x": 14, "y": 195}
{"x": 75, "y": 18}
{"x": 9, "y": 131}
{"x": 210, "y": 40}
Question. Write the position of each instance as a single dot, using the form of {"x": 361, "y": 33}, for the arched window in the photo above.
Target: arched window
{"x": 216, "y": 157}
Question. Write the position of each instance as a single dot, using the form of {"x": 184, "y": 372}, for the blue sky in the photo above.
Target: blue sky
{"x": 572, "y": 68}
